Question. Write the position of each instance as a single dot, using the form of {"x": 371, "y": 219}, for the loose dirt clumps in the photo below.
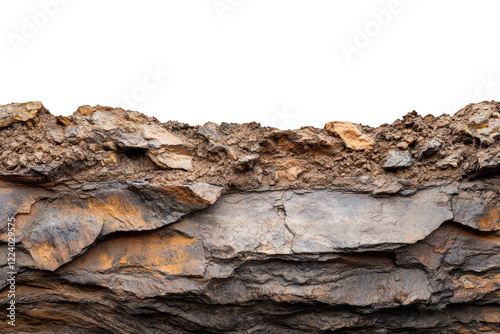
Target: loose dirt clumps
{"x": 103, "y": 143}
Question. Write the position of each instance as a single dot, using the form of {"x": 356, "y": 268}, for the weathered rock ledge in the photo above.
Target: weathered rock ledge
{"x": 124, "y": 224}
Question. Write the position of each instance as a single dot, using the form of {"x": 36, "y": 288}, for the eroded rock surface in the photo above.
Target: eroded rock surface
{"x": 351, "y": 135}
{"x": 127, "y": 225}
{"x": 18, "y": 112}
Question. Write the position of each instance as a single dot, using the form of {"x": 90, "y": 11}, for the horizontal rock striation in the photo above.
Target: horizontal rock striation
{"x": 124, "y": 224}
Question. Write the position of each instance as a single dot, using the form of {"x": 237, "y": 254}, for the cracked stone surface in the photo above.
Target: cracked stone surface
{"x": 398, "y": 159}
{"x": 128, "y": 225}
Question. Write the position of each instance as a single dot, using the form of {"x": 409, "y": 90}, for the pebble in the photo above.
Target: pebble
{"x": 398, "y": 159}
{"x": 430, "y": 149}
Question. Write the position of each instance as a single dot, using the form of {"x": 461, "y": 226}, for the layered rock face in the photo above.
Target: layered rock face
{"x": 124, "y": 224}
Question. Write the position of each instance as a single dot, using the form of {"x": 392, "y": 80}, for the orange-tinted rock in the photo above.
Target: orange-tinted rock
{"x": 351, "y": 135}
{"x": 18, "y": 112}
{"x": 57, "y": 230}
{"x": 483, "y": 122}
{"x": 170, "y": 254}
{"x": 63, "y": 120}
{"x": 478, "y": 209}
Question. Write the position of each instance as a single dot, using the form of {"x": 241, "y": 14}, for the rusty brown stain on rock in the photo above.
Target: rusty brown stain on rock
{"x": 60, "y": 230}
{"x": 63, "y": 120}
{"x": 490, "y": 219}
{"x": 172, "y": 254}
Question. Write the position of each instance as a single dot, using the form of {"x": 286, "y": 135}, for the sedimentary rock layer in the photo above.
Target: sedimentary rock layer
{"x": 124, "y": 224}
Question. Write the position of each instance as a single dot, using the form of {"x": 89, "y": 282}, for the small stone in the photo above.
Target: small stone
{"x": 386, "y": 185}
{"x": 430, "y": 149}
{"x": 489, "y": 163}
{"x": 291, "y": 174}
{"x": 110, "y": 159}
{"x": 246, "y": 162}
{"x": 294, "y": 172}
{"x": 169, "y": 160}
{"x": 95, "y": 148}
{"x": 23, "y": 160}
{"x": 46, "y": 158}
{"x": 109, "y": 145}
{"x": 484, "y": 123}
{"x": 56, "y": 135}
{"x": 232, "y": 152}
{"x": 403, "y": 145}
{"x": 351, "y": 135}
{"x": 46, "y": 170}
{"x": 63, "y": 120}
{"x": 398, "y": 159}
{"x": 442, "y": 121}
{"x": 38, "y": 156}
{"x": 11, "y": 162}
{"x": 365, "y": 179}
{"x": 449, "y": 161}
{"x": 211, "y": 131}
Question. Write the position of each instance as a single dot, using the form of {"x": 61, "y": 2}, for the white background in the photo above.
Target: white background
{"x": 278, "y": 62}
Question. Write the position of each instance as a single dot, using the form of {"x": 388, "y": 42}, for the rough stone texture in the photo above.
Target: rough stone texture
{"x": 55, "y": 233}
{"x": 484, "y": 124}
{"x": 398, "y": 159}
{"x": 351, "y": 135}
{"x": 430, "y": 149}
{"x": 128, "y": 225}
{"x": 130, "y": 130}
{"x": 489, "y": 161}
{"x": 18, "y": 112}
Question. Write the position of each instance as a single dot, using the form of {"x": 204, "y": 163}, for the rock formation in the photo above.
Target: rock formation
{"x": 124, "y": 224}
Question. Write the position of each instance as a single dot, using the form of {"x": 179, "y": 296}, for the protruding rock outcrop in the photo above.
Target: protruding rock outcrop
{"x": 351, "y": 135}
{"x": 127, "y": 225}
{"x": 18, "y": 112}
{"x": 61, "y": 226}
